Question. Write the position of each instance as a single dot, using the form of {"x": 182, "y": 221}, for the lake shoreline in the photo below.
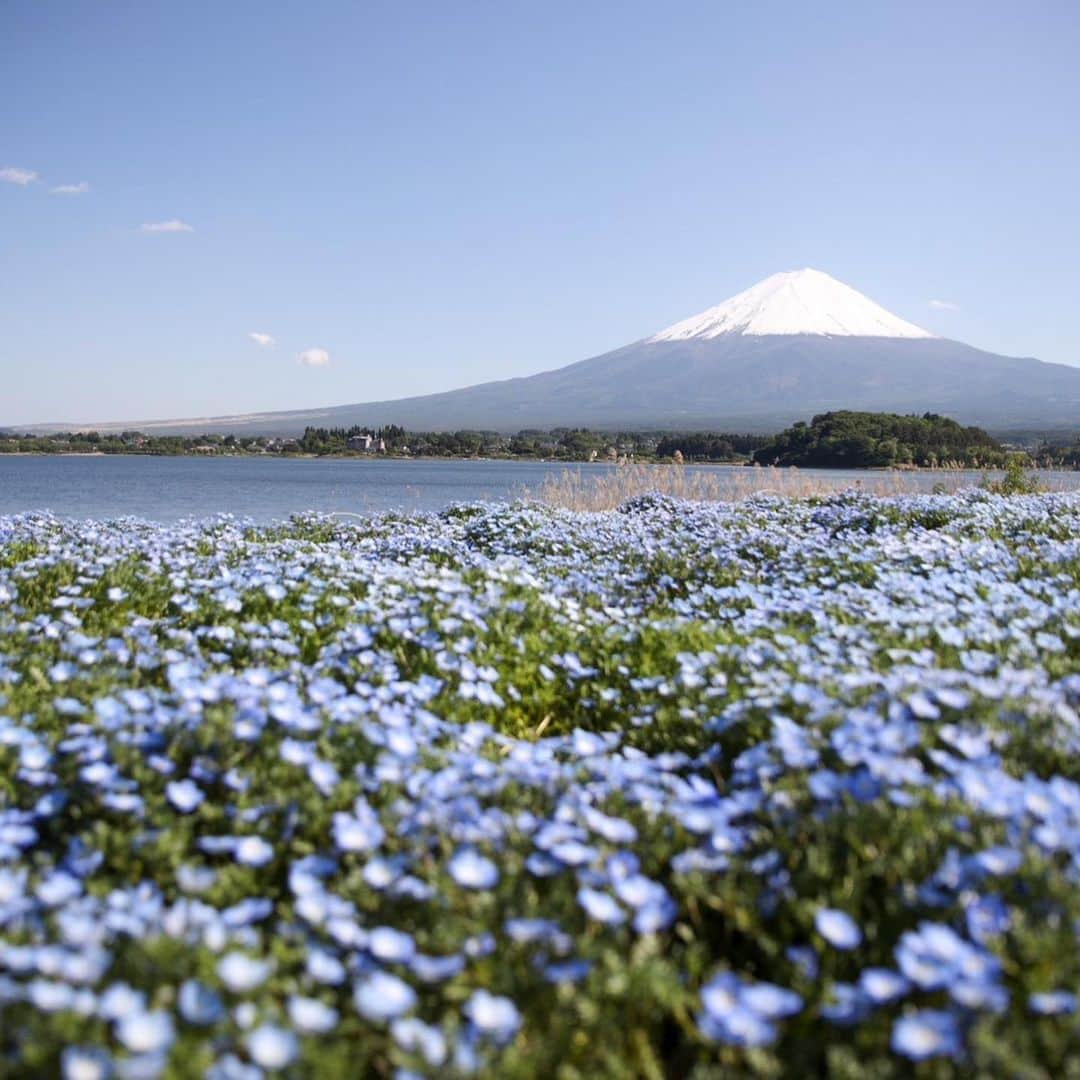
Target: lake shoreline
{"x": 567, "y": 462}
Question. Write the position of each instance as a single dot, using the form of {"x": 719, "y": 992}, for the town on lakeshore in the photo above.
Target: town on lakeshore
{"x": 845, "y": 439}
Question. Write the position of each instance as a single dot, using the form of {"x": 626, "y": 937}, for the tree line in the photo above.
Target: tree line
{"x": 861, "y": 440}
{"x": 840, "y": 439}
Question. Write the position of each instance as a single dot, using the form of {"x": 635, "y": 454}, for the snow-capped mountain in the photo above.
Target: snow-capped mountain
{"x": 795, "y": 344}
{"x": 796, "y": 302}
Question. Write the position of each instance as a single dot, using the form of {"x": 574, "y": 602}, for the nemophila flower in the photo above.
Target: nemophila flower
{"x": 272, "y": 1047}
{"x": 324, "y": 776}
{"x": 230, "y": 1067}
{"x": 416, "y": 1037}
{"x": 998, "y": 861}
{"x": 241, "y": 973}
{"x": 195, "y": 879}
{"x": 50, "y": 995}
{"x": 199, "y": 1004}
{"x": 357, "y": 833}
{"x": 311, "y": 1016}
{"x": 772, "y": 1002}
{"x": 656, "y": 914}
{"x": 382, "y": 996}
{"x": 495, "y": 1017}
{"x": 471, "y": 870}
{"x": 436, "y": 969}
{"x": 935, "y": 956}
{"x": 85, "y": 1063}
{"x": 529, "y": 930}
{"x": 726, "y": 1020}
{"x": 1052, "y": 1002}
{"x": 253, "y": 851}
{"x": 146, "y": 1032}
{"x": 838, "y": 928}
{"x": 390, "y": 945}
{"x": 119, "y": 1000}
{"x": 185, "y": 795}
{"x": 881, "y": 985}
{"x": 927, "y": 1034}
{"x": 601, "y": 906}
{"x": 324, "y": 967}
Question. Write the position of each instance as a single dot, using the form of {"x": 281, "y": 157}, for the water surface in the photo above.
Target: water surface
{"x": 268, "y": 489}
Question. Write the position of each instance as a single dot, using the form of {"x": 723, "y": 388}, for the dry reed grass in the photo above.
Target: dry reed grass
{"x": 574, "y": 490}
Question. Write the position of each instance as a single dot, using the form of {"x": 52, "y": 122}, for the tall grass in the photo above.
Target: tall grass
{"x": 574, "y": 490}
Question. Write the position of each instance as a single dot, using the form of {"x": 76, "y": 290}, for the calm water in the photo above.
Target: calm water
{"x": 268, "y": 489}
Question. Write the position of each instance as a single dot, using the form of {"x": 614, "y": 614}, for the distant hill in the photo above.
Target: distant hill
{"x": 859, "y": 440}
{"x": 794, "y": 344}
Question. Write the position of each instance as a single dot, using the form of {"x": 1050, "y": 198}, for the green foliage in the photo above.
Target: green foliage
{"x": 1016, "y": 481}
{"x": 710, "y": 446}
{"x": 858, "y": 440}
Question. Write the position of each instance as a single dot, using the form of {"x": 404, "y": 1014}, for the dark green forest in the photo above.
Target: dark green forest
{"x": 861, "y": 440}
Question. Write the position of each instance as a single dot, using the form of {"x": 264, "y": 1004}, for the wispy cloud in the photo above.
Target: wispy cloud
{"x": 80, "y": 188}
{"x": 173, "y": 225}
{"x": 314, "y": 358}
{"x": 22, "y": 177}
{"x": 261, "y": 339}
{"x": 943, "y": 305}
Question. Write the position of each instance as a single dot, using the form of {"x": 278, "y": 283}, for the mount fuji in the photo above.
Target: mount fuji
{"x": 795, "y": 344}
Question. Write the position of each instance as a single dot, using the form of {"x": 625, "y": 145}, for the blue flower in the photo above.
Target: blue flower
{"x": 601, "y": 907}
{"x": 85, "y": 1063}
{"x": 241, "y": 973}
{"x": 837, "y": 928}
{"x": 471, "y": 870}
{"x": 927, "y": 1034}
{"x": 390, "y": 945}
{"x": 881, "y": 985}
{"x": 185, "y": 795}
{"x": 357, "y": 832}
{"x": 272, "y": 1047}
{"x": 311, "y": 1016}
{"x": 199, "y": 1004}
{"x": 1052, "y": 1002}
{"x": 493, "y": 1016}
{"x": 253, "y": 851}
{"x": 382, "y": 996}
{"x": 741, "y": 1013}
{"x": 414, "y": 1036}
{"x": 146, "y": 1032}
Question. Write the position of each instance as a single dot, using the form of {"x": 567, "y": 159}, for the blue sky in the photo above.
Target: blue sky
{"x": 438, "y": 194}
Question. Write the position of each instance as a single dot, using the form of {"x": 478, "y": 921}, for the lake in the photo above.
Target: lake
{"x": 268, "y": 489}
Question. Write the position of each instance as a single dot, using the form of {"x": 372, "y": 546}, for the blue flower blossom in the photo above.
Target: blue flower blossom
{"x": 837, "y": 928}
{"x": 471, "y": 870}
{"x": 382, "y": 996}
{"x": 927, "y": 1034}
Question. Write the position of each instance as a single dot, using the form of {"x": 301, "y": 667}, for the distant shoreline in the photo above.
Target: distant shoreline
{"x": 568, "y": 463}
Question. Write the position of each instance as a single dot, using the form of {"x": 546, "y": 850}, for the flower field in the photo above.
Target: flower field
{"x": 782, "y": 787}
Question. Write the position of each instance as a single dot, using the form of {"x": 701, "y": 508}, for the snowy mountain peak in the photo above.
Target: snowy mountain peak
{"x": 796, "y": 302}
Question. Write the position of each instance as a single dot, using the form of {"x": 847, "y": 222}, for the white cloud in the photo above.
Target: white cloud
{"x": 173, "y": 225}
{"x": 942, "y": 305}
{"x": 80, "y": 188}
{"x": 22, "y": 177}
{"x": 314, "y": 358}
{"x": 261, "y": 339}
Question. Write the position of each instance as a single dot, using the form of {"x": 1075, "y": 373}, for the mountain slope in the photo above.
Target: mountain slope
{"x": 793, "y": 345}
